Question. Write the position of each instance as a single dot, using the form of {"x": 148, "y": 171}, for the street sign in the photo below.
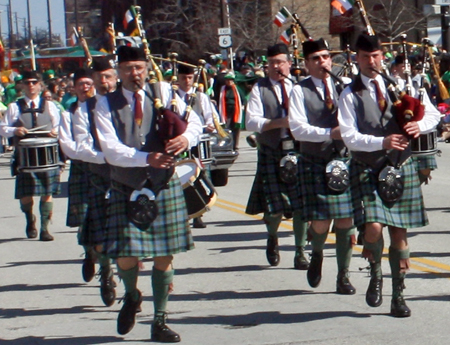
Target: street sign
{"x": 224, "y": 31}
{"x": 225, "y": 41}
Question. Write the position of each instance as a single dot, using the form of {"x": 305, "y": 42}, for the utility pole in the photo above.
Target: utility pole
{"x": 10, "y": 27}
{"x": 17, "y": 26}
{"x": 1, "y": 38}
{"x": 225, "y": 22}
{"x": 30, "y": 35}
{"x": 76, "y": 13}
{"x": 49, "y": 24}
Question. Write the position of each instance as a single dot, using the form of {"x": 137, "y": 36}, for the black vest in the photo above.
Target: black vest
{"x": 319, "y": 115}
{"x": 371, "y": 121}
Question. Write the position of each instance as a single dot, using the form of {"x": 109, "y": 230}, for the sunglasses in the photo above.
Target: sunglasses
{"x": 31, "y": 82}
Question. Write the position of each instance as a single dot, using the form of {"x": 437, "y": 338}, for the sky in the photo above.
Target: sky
{"x": 38, "y": 14}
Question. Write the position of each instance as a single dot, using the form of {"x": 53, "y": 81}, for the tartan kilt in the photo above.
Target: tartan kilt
{"x": 93, "y": 230}
{"x": 269, "y": 194}
{"x": 167, "y": 235}
{"x": 38, "y": 183}
{"x": 319, "y": 201}
{"x": 78, "y": 193}
{"x": 407, "y": 212}
{"x": 425, "y": 162}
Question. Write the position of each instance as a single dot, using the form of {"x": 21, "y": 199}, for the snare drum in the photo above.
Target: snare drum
{"x": 425, "y": 144}
{"x": 198, "y": 190}
{"x": 203, "y": 150}
{"x": 38, "y": 154}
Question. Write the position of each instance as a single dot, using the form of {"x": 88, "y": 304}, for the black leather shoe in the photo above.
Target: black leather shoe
{"x": 343, "y": 285}
{"x": 31, "y": 229}
{"x": 399, "y": 307}
{"x": 127, "y": 315}
{"x": 45, "y": 236}
{"x": 374, "y": 296}
{"x": 314, "y": 274}
{"x": 162, "y": 333}
{"x": 107, "y": 284}
{"x": 272, "y": 253}
{"x": 300, "y": 260}
{"x": 198, "y": 223}
{"x": 88, "y": 267}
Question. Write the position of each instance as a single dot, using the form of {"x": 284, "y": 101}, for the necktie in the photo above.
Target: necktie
{"x": 327, "y": 95}
{"x": 285, "y": 97}
{"x": 138, "y": 115}
{"x": 33, "y": 115}
{"x": 380, "y": 97}
{"x": 187, "y": 98}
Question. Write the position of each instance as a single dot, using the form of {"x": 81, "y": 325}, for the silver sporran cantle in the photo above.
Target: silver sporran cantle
{"x": 337, "y": 176}
{"x": 289, "y": 168}
{"x": 390, "y": 184}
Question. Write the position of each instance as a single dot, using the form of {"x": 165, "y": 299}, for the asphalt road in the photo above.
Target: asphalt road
{"x": 225, "y": 292}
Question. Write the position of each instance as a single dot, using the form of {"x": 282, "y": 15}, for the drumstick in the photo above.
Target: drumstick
{"x": 37, "y": 128}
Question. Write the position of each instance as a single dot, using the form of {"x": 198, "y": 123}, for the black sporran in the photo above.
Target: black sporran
{"x": 390, "y": 184}
{"x": 141, "y": 207}
{"x": 288, "y": 170}
{"x": 337, "y": 176}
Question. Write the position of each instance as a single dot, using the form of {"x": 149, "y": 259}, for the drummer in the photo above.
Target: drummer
{"x": 26, "y": 113}
{"x": 202, "y": 106}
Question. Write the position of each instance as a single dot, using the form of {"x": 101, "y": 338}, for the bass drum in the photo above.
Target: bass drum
{"x": 198, "y": 190}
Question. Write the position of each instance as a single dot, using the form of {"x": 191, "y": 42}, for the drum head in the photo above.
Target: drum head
{"x": 187, "y": 169}
{"x": 37, "y": 141}
{"x": 390, "y": 184}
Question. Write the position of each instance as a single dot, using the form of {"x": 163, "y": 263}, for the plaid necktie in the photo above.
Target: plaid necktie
{"x": 138, "y": 115}
{"x": 380, "y": 97}
{"x": 327, "y": 95}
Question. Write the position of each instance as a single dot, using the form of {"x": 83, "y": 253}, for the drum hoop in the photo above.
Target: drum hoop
{"x": 38, "y": 142}
{"x": 193, "y": 177}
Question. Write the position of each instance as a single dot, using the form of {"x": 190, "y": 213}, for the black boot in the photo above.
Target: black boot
{"x": 31, "y": 228}
{"x": 162, "y": 333}
{"x": 272, "y": 252}
{"x": 374, "y": 296}
{"x": 198, "y": 223}
{"x": 314, "y": 274}
{"x": 301, "y": 262}
{"x": 88, "y": 267}
{"x": 107, "y": 285}
{"x": 127, "y": 315}
{"x": 343, "y": 285}
{"x": 398, "y": 304}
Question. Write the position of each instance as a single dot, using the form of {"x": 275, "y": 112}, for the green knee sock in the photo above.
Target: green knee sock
{"x": 129, "y": 278}
{"x": 318, "y": 240}
{"x": 300, "y": 229}
{"x": 28, "y": 210}
{"x": 160, "y": 284}
{"x": 46, "y": 209}
{"x": 376, "y": 249}
{"x": 344, "y": 248}
{"x": 272, "y": 223}
{"x": 395, "y": 256}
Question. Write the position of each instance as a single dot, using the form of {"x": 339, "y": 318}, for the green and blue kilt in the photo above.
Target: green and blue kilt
{"x": 167, "y": 235}
{"x": 269, "y": 194}
{"x": 94, "y": 227}
{"x": 78, "y": 193}
{"x": 407, "y": 212}
{"x": 425, "y": 162}
{"x": 38, "y": 183}
{"x": 319, "y": 201}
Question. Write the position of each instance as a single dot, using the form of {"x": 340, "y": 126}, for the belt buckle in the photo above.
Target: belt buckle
{"x": 287, "y": 145}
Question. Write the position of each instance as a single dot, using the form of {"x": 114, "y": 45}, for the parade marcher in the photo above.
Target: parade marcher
{"x": 30, "y": 112}
{"x": 313, "y": 121}
{"x": 93, "y": 229}
{"x": 231, "y": 107}
{"x": 126, "y": 128}
{"x": 78, "y": 176}
{"x": 272, "y": 194}
{"x": 380, "y": 153}
{"x": 202, "y": 106}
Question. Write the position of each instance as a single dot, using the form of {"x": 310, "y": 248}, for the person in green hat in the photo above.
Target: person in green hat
{"x": 13, "y": 91}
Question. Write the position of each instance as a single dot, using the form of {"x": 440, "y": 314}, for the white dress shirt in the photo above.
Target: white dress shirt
{"x": 205, "y": 104}
{"x": 13, "y": 113}
{"x": 254, "y": 113}
{"x": 357, "y": 141}
{"x": 119, "y": 154}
